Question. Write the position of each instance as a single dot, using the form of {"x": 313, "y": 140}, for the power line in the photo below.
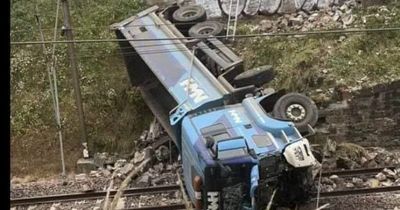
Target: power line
{"x": 324, "y": 32}
{"x": 105, "y": 27}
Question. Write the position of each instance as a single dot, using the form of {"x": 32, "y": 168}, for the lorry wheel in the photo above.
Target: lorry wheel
{"x": 206, "y": 29}
{"x": 257, "y": 76}
{"x": 188, "y": 16}
{"x": 297, "y": 108}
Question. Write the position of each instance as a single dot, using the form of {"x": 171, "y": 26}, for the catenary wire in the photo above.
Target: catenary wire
{"x": 231, "y": 36}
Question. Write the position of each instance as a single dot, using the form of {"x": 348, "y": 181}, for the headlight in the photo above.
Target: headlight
{"x": 298, "y": 154}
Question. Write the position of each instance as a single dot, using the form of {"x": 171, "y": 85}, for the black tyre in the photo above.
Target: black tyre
{"x": 187, "y": 16}
{"x": 206, "y": 29}
{"x": 297, "y": 108}
{"x": 257, "y": 76}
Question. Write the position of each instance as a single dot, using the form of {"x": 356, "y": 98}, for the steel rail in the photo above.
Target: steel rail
{"x": 340, "y": 193}
{"x": 90, "y": 195}
{"x": 167, "y": 207}
{"x": 362, "y": 171}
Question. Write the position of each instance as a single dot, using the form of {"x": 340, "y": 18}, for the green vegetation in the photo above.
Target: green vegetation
{"x": 324, "y": 61}
{"x": 115, "y": 112}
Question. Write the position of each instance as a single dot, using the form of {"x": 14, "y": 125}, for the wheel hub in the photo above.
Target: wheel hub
{"x": 206, "y": 31}
{"x": 296, "y": 112}
{"x": 189, "y": 14}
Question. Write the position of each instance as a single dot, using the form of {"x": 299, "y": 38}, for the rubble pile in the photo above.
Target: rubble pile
{"x": 385, "y": 178}
{"x": 336, "y": 17}
{"x": 110, "y": 167}
{"x": 352, "y": 156}
{"x": 217, "y": 9}
{"x": 348, "y": 156}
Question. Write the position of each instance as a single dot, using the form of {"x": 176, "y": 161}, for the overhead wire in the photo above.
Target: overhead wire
{"x": 244, "y": 36}
{"x": 145, "y": 51}
{"x": 51, "y": 71}
{"x": 105, "y": 27}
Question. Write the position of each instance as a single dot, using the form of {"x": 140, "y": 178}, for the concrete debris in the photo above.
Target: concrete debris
{"x": 252, "y": 7}
{"x": 100, "y": 159}
{"x": 269, "y": 7}
{"x": 296, "y": 21}
{"x": 32, "y": 207}
{"x": 373, "y": 183}
{"x": 144, "y": 180}
{"x": 85, "y": 165}
{"x": 283, "y": 23}
{"x": 298, "y": 4}
{"x": 287, "y": 7}
{"x": 139, "y": 157}
{"x": 347, "y": 19}
{"x": 349, "y": 185}
{"x": 86, "y": 188}
{"x": 334, "y": 177}
{"x": 387, "y": 183}
{"x": 324, "y": 4}
{"x": 81, "y": 177}
{"x": 211, "y": 6}
{"x": 380, "y": 176}
{"x": 120, "y": 163}
{"x": 162, "y": 153}
{"x": 309, "y": 5}
{"x": 357, "y": 181}
{"x": 127, "y": 168}
{"x": 389, "y": 173}
{"x": 266, "y": 25}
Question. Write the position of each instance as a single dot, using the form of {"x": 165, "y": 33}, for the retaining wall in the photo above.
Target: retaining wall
{"x": 370, "y": 118}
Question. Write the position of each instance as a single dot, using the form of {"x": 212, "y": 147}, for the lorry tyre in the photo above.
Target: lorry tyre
{"x": 297, "y": 108}
{"x": 188, "y": 16}
{"x": 205, "y": 29}
{"x": 257, "y": 76}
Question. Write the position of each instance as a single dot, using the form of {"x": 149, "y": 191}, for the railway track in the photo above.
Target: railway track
{"x": 168, "y": 207}
{"x": 92, "y": 195}
{"x": 355, "y": 172}
{"x": 361, "y": 191}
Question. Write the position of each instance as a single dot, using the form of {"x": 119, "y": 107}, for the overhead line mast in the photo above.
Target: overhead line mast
{"x": 67, "y": 29}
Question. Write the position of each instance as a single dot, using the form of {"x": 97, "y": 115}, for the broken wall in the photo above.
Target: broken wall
{"x": 371, "y": 117}
{"x": 216, "y": 8}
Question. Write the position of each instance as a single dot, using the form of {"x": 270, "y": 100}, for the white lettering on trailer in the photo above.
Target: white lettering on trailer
{"x": 235, "y": 116}
{"x": 196, "y": 93}
{"x": 212, "y": 198}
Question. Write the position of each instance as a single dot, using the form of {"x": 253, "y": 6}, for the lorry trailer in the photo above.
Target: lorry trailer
{"x": 242, "y": 145}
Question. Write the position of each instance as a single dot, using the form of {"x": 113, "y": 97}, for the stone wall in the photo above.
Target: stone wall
{"x": 370, "y": 117}
{"x": 217, "y": 8}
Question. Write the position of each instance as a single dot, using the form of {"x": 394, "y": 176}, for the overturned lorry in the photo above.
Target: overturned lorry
{"x": 240, "y": 143}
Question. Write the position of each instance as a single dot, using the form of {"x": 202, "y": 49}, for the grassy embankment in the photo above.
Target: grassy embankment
{"x": 115, "y": 112}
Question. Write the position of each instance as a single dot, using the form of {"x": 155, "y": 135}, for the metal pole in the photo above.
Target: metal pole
{"x": 75, "y": 75}
{"x": 236, "y": 18}
{"x": 53, "y": 86}
{"x": 229, "y": 18}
